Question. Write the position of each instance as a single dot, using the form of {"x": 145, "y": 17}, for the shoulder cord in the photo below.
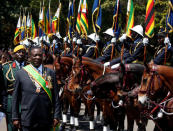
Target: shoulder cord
{"x": 12, "y": 75}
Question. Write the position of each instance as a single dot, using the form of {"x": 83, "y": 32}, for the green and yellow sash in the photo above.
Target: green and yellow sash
{"x": 39, "y": 79}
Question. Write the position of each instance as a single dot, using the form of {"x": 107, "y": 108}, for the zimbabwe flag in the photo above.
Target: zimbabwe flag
{"x": 149, "y": 19}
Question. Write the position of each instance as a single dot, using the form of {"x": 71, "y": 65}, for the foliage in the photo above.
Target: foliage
{"x": 10, "y": 10}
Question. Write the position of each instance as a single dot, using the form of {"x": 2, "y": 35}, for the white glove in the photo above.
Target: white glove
{"x": 145, "y": 41}
{"x": 167, "y": 41}
{"x": 122, "y": 38}
{"x": 106, "y": 64}
{"x": 115, "y": 66}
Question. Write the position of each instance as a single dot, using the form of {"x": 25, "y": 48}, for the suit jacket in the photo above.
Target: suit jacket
{"x": 36, "y": 108}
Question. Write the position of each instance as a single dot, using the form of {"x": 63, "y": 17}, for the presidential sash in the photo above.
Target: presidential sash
{"x": 39, "y": 79}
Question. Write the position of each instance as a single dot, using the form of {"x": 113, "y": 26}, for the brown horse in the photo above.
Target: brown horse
{"x": 157, "y": 83}
{"x": 63, "y": 66}
{"x": 119, "y": 82}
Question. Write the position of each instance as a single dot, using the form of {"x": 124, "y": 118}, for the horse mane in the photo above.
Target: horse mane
{"x": 96, "y": 66}
{"x": 107, "y": 78}
{"x": 166, "y": 73}
{"x": 135, "y": 67}
{"x": 66, "y": 60}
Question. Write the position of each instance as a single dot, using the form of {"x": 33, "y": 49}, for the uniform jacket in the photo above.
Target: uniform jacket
{"x": 126, "y": 54}
{"x": 106, "y": 53}
{"x": 91, "y": 51}
{"x": 3, "y": 93}
{"x": 9, "y": 72}
{"x": 137, "y": 52}
{"x": 160, "y": 55}
{"x": 36, "y": 108}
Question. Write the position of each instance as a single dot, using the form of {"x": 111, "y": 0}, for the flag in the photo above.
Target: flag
{"x": 97, "y": 16}
{"x": 130, "y": 17}
{"x": 84, "y": 19}
{"x": 17, "y": 32}
{"x": 23, "y": 28}
{"x": 33, "y": 29}
{"x": 115, "y": 25}
{"x": 149, "y": 19}
{"x": 28, "y": 23}
{"x": 69, "y": 20}
{"x": 56, "y": 19}
{"x": 48, "y": 20}
{"x": 41, "y": 23}
{"x": 169, "y": 18}
{"x": 78, "y": 25}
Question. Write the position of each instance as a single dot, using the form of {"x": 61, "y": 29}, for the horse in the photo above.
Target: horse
{"x": 63, "y": 67}
{"x": 122, "y": 83}
{"x": 84, "y": 70}
{"x": 155, "y": 95}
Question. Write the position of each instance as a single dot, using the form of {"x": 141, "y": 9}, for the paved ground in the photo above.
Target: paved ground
{"x": 84, "y": 125}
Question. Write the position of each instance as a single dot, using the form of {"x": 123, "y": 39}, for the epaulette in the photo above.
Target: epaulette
{"x": 9, "y": 62}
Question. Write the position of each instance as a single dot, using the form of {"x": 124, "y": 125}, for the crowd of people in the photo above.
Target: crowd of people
{"x": 29, "y": 91}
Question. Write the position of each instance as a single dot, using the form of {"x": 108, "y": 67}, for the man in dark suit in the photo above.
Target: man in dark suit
{"x": 36, "y": 89}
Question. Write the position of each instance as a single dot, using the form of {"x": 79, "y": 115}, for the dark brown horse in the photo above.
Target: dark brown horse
{"x": 119, "y": 82}
{"x": 156, "y": 92}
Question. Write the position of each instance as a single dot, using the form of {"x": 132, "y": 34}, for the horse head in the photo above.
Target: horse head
{"x": 62, "y": 67}
{"x": 78, "y": 76}
{"x": 106, "y": 85}
{"x": 152, "y": 84}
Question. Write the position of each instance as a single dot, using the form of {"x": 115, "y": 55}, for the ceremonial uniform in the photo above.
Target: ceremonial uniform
{"x": 3, "y": 93}
{"x": 126, "y": 54}
{"x": 9, "y": 72}
{"x": 91, "y": 51}
{"x": 106, "y": 52}
{"x": 39, "y": 102}
{"x": 159, "y": 56}
{"x": 137, "y": 52}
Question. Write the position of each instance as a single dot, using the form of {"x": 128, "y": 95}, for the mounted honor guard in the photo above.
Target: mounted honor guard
{"x": 92, "y": 50}
{"x": 164, "y": 50}
{"x": 108, "y": 51}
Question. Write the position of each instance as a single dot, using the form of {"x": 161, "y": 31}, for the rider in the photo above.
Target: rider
{"x": 164, "y": 43}
{"x": 67, "y": 49}
{"x": 92, "y": 50}
{"x": 127, "y": 41}
{"x": 108, "y": 48}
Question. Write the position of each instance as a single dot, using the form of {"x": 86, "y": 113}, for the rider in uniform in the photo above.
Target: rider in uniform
{"x": 127, "y": 41}
{"x": 164, "y": 43}
{"x": 92, "y": 50}
{"x": 108, "y": 48}
{"x": 67, "y": 48}
{"x": 137, "y": 50}
{"x": 9, "y": 72}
